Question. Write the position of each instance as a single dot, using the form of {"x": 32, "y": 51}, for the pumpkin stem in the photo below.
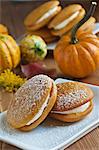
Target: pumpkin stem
{"x": 74, "y": 39}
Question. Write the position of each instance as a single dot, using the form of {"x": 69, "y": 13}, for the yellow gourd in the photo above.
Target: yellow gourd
{"x": 9, "y": 52}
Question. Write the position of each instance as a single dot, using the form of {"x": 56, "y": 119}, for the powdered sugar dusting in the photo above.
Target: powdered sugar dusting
{"x": 28, "y": 97}
{"x": 70, "y": 99}
{"x": 71, "y": 95}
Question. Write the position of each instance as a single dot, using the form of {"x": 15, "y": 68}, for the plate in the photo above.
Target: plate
{"x": 51, "y": 134}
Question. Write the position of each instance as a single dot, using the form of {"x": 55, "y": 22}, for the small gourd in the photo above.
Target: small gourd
{"x": 33, "y": 48}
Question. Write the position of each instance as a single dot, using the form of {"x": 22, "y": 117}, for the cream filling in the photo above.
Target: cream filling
{"x": 67, "y": 21}
{"x": 46, "y": 15}
{"x": 75, "y": 110}
{"x": 38, "y": 115}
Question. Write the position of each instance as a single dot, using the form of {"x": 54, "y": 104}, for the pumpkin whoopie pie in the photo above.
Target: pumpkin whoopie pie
{"x": 45, "y": 33}
{"x": 42, "y": 15}
{"x": 66, "y": 19}
{"x": 32, "y": 103}
{"x": 88, "y": 26}
{"x": 74, "y": 102}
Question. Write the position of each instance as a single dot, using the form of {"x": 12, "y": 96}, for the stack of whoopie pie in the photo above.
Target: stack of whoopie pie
{"x": 51, "y": 21}
{"x": 40, "y": 97}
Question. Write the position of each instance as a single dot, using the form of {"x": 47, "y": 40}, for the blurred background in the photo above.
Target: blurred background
{"x": 12, "y": 13}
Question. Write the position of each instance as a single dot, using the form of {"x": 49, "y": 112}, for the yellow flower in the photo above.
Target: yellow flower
{"x": 10, "y": 81}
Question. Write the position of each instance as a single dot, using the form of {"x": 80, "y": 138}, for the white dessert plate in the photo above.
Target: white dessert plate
{"x": 51, "y": 134}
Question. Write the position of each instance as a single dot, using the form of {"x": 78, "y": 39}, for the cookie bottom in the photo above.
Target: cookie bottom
{"x": 72, "y": 117}
{"x": 45, "y": 34}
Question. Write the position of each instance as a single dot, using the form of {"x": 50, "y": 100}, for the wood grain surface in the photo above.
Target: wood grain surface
{"x": 12, "y": 14}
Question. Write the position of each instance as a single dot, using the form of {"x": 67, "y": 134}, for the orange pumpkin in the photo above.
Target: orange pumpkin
{"x": 78, "y": 56}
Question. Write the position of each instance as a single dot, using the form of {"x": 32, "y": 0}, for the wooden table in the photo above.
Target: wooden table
{"x": 12, "y": 15}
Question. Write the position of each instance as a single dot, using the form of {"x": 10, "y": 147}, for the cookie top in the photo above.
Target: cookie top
{"x": 64, "y": 14}
{"x": 71, "y": 95}
{"x": 39, "y": 11}
{"x": 28, "y": 100}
